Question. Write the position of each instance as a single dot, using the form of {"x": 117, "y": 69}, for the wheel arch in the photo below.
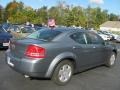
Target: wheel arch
{"x": 115, "y": 51}
{"x": 64, "y": 56}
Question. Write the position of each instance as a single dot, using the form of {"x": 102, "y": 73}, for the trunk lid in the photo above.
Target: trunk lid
{"x": 18, "y": 47}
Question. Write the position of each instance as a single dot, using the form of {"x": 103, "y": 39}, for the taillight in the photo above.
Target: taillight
{"x": 35, "y": 51}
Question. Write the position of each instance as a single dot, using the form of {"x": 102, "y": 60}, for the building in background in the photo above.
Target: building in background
{"x": 110, "y": 26}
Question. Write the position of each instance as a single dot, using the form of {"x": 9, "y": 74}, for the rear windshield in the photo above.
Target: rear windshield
{"x": 44, "y": 34}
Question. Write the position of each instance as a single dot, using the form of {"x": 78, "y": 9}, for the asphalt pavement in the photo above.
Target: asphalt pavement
{"x": 99, "y": 78}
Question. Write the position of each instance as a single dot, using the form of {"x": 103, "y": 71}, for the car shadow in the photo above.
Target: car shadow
{"x": 3, "y": 49}
{"x": 36, "y": 78}
{"x": 89, "y": 69}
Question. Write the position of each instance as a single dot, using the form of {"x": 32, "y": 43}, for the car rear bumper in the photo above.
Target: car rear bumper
{"x": 29, "y": 67}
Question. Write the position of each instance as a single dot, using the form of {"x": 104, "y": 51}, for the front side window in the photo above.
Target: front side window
{"x": 79, "y": 37}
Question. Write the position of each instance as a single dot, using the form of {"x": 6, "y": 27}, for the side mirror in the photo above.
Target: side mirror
{"x": 106, "y": 42}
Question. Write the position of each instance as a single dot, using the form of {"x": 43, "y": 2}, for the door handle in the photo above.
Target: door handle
{"x": 76, "y": 47}
{"x": 94, "y": 47}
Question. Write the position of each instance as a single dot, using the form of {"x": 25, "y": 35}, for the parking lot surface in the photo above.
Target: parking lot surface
{"x": 99, "y": 78}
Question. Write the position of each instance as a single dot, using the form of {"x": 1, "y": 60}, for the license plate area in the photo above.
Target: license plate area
{"x": 5, "y": 44}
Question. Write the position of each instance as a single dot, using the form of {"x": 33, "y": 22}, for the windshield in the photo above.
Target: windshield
{"x": 1, "y": 29}
{"x": 27, "y": 30}
{"x": 46, "y": 35}
{"x": 6, "y": 26}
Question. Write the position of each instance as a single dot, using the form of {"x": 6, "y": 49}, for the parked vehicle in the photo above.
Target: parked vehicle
{"x": 29, "y": 29}
{"x": 117, "y": 39}
{"x": 59, "y": 53}
{"x": 111, "y": 35}
{"x": 15, "y": 28}
{"x": 6, "y": 26}
{"x": 4, "y": 38}
{"x": 20, "y": 31}
{"x": 104, "y": 36}
{"x": 26, "y": 30}
{"x": 38, "y": 28}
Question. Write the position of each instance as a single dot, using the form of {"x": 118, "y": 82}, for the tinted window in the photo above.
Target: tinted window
{"x": 6, "y": 26}
{"x": 16, "y": 28}
{"x": 79, "y": 37}
{"x": 1, "y": 29}
{"x": 27, "y": 30}
{"x": 46, "y": 35}
{"x": 93, "y": 38}
{"x": 38, "y": 28}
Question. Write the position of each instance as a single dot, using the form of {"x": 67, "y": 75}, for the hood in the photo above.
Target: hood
{"x": 4, "y": 35}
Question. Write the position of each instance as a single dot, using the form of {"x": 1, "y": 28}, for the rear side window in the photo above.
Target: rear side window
{"x": 79, "y": 37}
{"x": 92, "y": 38}
{"x": 46, "y": 35}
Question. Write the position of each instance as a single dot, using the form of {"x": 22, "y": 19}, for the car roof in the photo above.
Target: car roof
{"x": 66, "y": 29}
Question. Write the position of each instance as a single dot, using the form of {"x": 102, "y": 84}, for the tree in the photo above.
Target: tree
{"x": 42, "y": 14}
{"x": 95, "y": 17}
{"x": 17, "y": 12}
{"x": 13, "y": 11}
{"x": 113, "y": 17}
{"x": 1, "y": 14}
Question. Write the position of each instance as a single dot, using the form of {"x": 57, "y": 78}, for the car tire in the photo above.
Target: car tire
{"x": 63, "y": 72}
{"x": 112, "y": 60}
